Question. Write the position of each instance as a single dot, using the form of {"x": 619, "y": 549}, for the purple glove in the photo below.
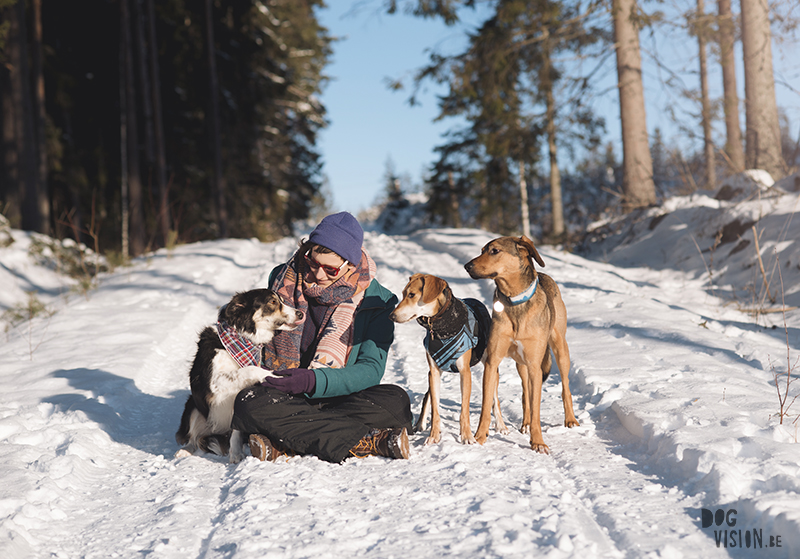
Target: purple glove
{"x": 292, "y": 381}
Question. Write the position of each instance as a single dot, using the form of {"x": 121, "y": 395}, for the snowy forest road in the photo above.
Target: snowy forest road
{"x": 673, "y": 403}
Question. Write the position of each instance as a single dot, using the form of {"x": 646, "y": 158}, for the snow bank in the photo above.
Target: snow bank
{"x": 714, "y": 240}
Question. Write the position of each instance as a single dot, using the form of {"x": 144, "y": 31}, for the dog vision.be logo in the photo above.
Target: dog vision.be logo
{"x": 727, "y": 535}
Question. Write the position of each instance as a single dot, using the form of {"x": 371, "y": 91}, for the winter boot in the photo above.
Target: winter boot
{"x": 391, "y": 443}
{"x": 263, "y": 449}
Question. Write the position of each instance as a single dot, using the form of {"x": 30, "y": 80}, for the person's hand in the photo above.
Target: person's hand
{"x": 292, "y": 381}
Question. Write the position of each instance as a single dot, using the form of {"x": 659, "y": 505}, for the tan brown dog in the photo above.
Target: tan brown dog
{"x": 528, "y": 317}
{"x": 457, "y": 333}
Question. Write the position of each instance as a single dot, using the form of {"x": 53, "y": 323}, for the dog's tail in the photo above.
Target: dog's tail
{"x": 218, "y": 444}
{"x": 547, "y": 363}
{"x": 182, "y": 435}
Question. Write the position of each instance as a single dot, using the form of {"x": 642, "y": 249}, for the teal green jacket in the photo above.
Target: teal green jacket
{"x": 373, "y": 333}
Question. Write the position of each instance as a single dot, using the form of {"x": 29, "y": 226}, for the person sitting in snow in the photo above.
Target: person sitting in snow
{"x": 324, "y": 396}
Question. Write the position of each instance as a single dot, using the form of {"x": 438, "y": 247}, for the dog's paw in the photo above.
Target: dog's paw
{"x": 433, "y": 439}
{"x": 500, "y": 428}
{"x": 182, "y": 453}
{"x": 571, "y": 423}
{"x": 253, "y": 373}
{"x": 466, "y": 438}
{"x": 235, "y": 457}
{"x": 525, "y": 429}
{"x": 541, "y": 448}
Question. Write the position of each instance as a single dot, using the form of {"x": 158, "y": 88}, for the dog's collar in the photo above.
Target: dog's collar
{"x": 427, "y": 321}
{"x": 448, "y": 321}
{"x": 518, "y": 299}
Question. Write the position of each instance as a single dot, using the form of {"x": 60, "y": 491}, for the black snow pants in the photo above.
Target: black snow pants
{"x": 327, "y": 428}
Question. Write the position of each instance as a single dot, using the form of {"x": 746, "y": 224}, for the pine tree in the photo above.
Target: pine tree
{"x": 160, "y": 158}
{"x": 39, "y": 117}
{"x": 136, "y": 232}
{"x": 274, "y": 57}
{"x": 24, "y": 188}
{"x": 504, "y": 84}
{"x": 638, "y": 187}
{"x": 733, "y": 131}
{"x": 702, "y": 32}
{"x": 218, "y": 177}
{"x": 762, "y": 135}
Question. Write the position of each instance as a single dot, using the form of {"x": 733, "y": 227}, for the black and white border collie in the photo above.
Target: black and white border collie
{"x": 216, "y": 378}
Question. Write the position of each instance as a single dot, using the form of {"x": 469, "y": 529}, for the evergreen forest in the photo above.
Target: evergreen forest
{"x": 131, "y": 125}
{"x": 185, "y": 119}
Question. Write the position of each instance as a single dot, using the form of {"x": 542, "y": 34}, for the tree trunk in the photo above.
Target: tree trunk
{"x": 158, "y": 128}
{"x": 483, "y": 211}
{"x": 637, "y": 183}
{"x": 762, "y": 130}
{"x": 137, "y": 228}
{"x": 142, "y": 59}
{"x": 219, "y": 179}
{"x": 733, "y": 129}
{"x": 702, "y": 30}
{"x": 42, "y": 191}
{"x": 11, "y": 191}
{"x": 123, "y": 152}
{"x": 556, "y": 204}
{"x": 29, "y": 161}
{"x": 523, "y": 195}
{"x": 25, "y": 162}
{"x": 455, "y": 213}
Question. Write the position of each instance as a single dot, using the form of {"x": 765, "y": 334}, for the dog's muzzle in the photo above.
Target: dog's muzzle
{"x": 470, "y": 268}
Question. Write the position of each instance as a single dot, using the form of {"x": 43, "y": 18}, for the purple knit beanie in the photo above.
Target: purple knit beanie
{"x": 342, "y": 234}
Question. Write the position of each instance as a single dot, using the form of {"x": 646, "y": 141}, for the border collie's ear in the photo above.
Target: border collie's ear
{"x": 236, "y": 303}
{"x": 432, "y": 286}
{"x": 527, "y": 244}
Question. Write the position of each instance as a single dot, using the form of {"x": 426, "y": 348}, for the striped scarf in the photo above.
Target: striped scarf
{"x": 335, "y": 336}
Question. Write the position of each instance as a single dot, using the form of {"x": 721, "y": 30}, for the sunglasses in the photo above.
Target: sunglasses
{"x": 330, "y": 271}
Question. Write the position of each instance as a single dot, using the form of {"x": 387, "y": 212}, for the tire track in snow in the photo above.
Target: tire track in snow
{"x": 645, "y": 510}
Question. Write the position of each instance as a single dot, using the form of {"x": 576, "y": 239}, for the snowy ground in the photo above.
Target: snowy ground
{"x": 673, "y": 389}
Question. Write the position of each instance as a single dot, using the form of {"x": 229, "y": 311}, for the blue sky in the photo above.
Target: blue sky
{"x": 369, "y": 124}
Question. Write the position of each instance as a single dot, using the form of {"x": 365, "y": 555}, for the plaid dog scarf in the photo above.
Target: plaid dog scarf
{"x": 242, "y": 350}
{"x": 335, "y": 337}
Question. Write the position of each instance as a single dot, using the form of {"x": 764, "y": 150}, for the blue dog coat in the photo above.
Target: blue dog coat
{"x": 462, "y": 325}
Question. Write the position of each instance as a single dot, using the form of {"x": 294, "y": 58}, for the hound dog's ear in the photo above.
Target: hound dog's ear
{"x": 432, "y": 287}
{"x": 527, "y": 245}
